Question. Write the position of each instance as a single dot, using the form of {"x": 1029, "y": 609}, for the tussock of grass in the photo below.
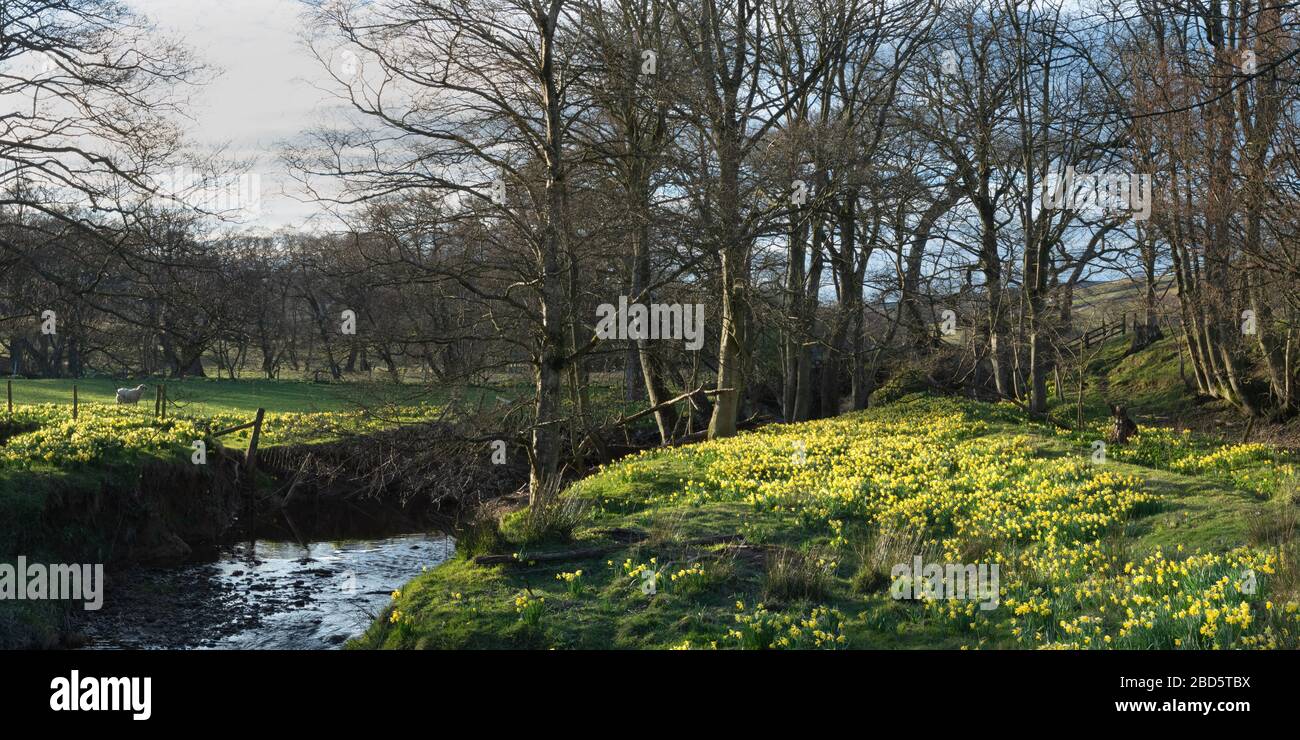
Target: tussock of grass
{"x": 1273, "y": 526}
{"x": 551, "y": 523}
{"x": 886, "y": 549}
{"x": 795, "y": 576}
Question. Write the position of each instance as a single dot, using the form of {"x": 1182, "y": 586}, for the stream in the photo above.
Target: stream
{"x": 264, "y": 595}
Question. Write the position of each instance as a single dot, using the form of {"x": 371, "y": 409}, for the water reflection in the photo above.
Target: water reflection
{"x": 272, "y": 595}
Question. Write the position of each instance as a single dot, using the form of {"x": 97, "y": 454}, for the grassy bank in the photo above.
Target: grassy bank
{"x": 1159, "y": 545}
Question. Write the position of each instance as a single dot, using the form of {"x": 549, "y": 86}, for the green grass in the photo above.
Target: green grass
{"x": 808, "y": 551}
{"x": 1147, "y": 382}
{"x": 198, "y": 396}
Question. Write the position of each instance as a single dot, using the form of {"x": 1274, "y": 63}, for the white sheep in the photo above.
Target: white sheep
{"x": 131, "y": 395}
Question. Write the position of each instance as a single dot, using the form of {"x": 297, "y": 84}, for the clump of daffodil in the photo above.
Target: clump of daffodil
{"x": 530, "y": 608}
{"x": 762, "y": 629}
{"x": 573, "y": 581}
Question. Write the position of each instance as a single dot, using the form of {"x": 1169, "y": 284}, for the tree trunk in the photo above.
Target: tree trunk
{"x": 666, "y": 417}
{"x": 734, "y": 265}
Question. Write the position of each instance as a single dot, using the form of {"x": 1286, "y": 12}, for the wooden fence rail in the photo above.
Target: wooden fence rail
{"x": 250, "y": 458}
{"x": 1098, "y": 334}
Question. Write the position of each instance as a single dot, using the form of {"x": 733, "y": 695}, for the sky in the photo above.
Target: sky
{"x": 266, "y": 92}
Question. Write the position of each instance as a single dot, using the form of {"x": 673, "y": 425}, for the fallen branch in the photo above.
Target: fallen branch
{"x": 595, "y": 552}
{"x": 621, "y": 421}
{"x": 547, "y": 557}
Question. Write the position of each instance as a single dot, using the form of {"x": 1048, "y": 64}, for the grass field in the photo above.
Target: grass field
{"x": 205, "y": 396}
{"x": 200, "y": 397}
{"x": 1100, "y": 301}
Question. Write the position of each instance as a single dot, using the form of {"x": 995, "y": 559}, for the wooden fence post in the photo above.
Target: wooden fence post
{"x": 9, "y": 394}
{"x": 250, "y": 460}
{"x": 164, "y": 402}
{"x": 157, "y": 401}
{"x": 74, "y": 401}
